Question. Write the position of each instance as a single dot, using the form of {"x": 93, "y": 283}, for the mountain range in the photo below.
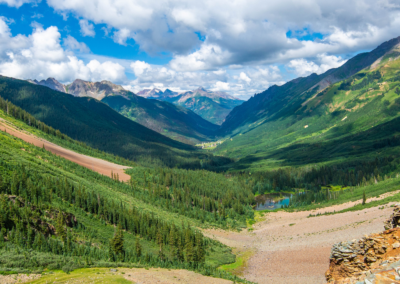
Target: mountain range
{"x": 317, "y": 114}
{"x": 95, "y": 123}
{"x": 171, "y": 120}
{"x": 212, "y": 106}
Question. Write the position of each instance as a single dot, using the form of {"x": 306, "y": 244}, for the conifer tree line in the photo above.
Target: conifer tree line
{"x": 314, "y": 177}
{"x": 367, "y": 81}
{"x": 315, "y": 182}
{"x": 28, "y": 200}
{"x": 27, "y": 196}
{"x": 200, "y": 194}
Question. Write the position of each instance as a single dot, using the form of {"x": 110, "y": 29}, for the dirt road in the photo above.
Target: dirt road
{"x": 95, "y": 164}
{"x": 291, "y": 248}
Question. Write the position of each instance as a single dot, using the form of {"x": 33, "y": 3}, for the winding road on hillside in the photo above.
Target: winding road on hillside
{"x": 98, "y": 165}
{"x": 294, "y": 249}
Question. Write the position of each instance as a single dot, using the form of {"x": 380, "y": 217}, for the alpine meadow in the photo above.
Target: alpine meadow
{"x": 199, "y": 142}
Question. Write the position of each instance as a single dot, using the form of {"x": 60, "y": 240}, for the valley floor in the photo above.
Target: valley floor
{"x": 101, "y": 166}
{"x": 291, "y": 248}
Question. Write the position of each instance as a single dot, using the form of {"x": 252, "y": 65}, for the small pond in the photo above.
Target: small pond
{"x": 271, "y": 201}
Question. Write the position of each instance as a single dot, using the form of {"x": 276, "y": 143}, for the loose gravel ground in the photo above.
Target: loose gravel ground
{"x": 291, "y": 248}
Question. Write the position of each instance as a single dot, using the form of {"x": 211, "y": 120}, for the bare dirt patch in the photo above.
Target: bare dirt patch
{"x": 166, "y": 276}
{"x": 292, "y": 248}
{"x": 95, "y": 164}
{"x": 18, "y": 278}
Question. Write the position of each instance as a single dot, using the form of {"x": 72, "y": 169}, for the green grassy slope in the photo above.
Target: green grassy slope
{"x": 347, "y": 120}
{"x": 173, "y": 121}
{"x": 96, "y": 124}
{"x": 37, "y": 188}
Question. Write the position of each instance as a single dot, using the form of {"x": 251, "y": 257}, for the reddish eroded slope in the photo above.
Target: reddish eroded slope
{"x": 95, "y": 164}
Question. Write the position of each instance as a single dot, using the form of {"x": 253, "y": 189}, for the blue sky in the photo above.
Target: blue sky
{"x": 241, "y": 47}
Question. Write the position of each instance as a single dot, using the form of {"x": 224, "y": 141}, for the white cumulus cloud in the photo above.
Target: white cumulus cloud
{"x": 302, "y": 67}
{"x": 139, "y": 67}
{"x": 40, "y": 55}
{"x": 242, "y": 32}
{"x": 87, "y": 29}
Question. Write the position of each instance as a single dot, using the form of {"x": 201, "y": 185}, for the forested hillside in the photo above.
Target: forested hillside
{"x": 58, "y": 215}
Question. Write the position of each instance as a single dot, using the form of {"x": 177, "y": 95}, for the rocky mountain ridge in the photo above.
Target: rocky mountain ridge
{"x": 165, "y": 95}
{"x": 97, "y": 90}
{"x": 213, "y": 106}
{"x": 50, "y": 83}
{"x": 171, "y": 120}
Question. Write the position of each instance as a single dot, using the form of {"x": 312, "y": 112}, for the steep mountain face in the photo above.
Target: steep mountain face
{"x": 278, "y": 99}
{"x": 305, "y": 121}
{"x": 97, "y": 90}
{"x": 165, "y": 118}
{"x": 50, "y": 83}
{"x": 150, "y": 93}
{"x": 212, "y": 106}
{"x": 95, "y": 123}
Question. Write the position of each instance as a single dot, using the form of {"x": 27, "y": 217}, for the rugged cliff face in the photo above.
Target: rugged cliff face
{"x": 372, "y": 259}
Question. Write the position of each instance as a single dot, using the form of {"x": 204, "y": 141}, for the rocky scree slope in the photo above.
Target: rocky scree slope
{"x": 372, "y": 259}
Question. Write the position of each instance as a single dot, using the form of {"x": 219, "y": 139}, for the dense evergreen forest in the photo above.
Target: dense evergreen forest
{"x": 206, "y": 196}
{"x": 58, "y": 215}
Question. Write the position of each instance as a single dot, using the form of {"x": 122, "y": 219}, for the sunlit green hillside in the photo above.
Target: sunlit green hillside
{"x": 354, "y": 118}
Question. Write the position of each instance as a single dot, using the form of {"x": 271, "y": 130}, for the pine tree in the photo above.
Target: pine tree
{"x": 188, "y": 246}
{"x": 60, "y": 226}
{"x": 179, "y": 250}
{"x": 172, "y": 242}
{"x": 200, "y": 254}
{"x": 161, "y": 251}
{"x": 110, "y": 252}
{"x": 117, "y": 242}
{"x": 138, "y": 248}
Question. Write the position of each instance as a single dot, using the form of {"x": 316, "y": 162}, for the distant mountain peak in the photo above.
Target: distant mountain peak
{"x": 202, "y": 89}
{"x": 213, "y": 106}
{"x": 97, "y": 90}
{"x": 50, "y": 83}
